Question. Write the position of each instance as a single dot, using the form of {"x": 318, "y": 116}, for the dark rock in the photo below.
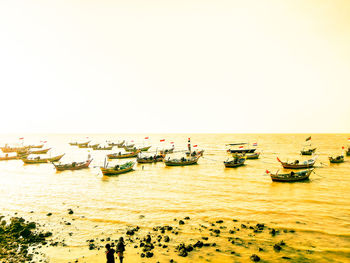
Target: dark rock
{"x": 181, "y": 222}
{"x": 49, "y": 214}
{"x": 277, "y": 247}
{"x": 255, "y": 258}
{"x": 205, "y": 238}
{"x": 220, "y": 221}
{"x": 70, "y": 211}
{"x": 261, "y": 249}
{"x": 142, "y": 255}
{"x": 149, "y": 254}
{"x": 166, "y": 239}
{"x": 243, "y": 226}
{"x": 187, "y": 218}
{"x": 286, "y": 257}
{"x": 183, "y": 253}
{"x": 199, "y": 244}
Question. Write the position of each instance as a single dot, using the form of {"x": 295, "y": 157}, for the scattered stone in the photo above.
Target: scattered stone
{"x": 49, "y": 214}
{"x": 255, "y": 258}
{"x": 181, "y": 222}
{"x": 219, "y": 221}
{"x": 70, "y": 211}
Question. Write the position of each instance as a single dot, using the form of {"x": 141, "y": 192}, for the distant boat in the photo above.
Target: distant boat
{"x": 291, "y": 176}
{"x": 133, "y": 149}
{"x": 309, "y": 151}
{"x": 40, "y": 151}
{"x": 166, "y": 151}
{"x": 73, "y": 165}
{"x": 298, "y": 165}
{"x": 42, "y": 160}
{"x": 35, "y": 146}
{"x": 252, "y": 155}
{"x": 182, "y": 161}
{"x": 83, "y": 144}
{"x": 117, "y": 169}
{"x": 7, "y": 158}
{"x": 123, "y": 155}
{"x": 150, "y": 159}
{"x": 73, "y": 143}
{"x": 240, "y": 148}
{"x": 338, "y": 159}
{"x": 8, "y": 149}
{"x": 93, "y": 145}
{"x": 237, "y": 161}
{"x": 100, "y": 148}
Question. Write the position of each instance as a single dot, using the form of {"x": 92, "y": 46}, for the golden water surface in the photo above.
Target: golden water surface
{"x": 318, "y": 209}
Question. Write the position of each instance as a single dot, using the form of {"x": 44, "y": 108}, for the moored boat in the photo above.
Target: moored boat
{"x": 309, "y": 151}
{"x": 83, "y": 144}
{"x": 35, "y": 146}
{"x": 235, "y": 162}
{"x": 338, "y": 159}
{"x": 254, "y": 155}
{"x": 101, "y": 148}
{"x": 182, "y": 161}
{"x": 150, "y": 159}
{"x": 8, "y": 149}
{"x": 240, "y": 148}
{"x": 93, "y": 145}
{"x": 41, "y": 160}
{"x": 73, "y": 165}
{"x": 40, "y": 151}
{"x": 297, "y": 164}
{"x": 121, "y": 155}
{"x": 291, "y": 176}
{"x": 117, "y": 169}
{"x": 7, "y": 157}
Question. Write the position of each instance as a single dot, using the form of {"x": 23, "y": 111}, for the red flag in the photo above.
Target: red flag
{"x": 43, "y": 141}
{"x": 240, "y": 146}
{"x": 267, "y": 171}
{"x": 343, "y": 147}
{"x": 278, "y": 159}
{"x": 146, "y": 138}
{"x": 132, "y": 140}
{"x": 308, "y": 138}
{"x": 172, "y": 142}
{"x": 195, "y": 145}
{"x": 21, "y": 138}
{"x": 162, "y": 140}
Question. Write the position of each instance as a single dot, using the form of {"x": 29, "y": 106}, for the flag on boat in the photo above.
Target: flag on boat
{"x": 195, "y": 145}
{"x": 146, "y": 138}
{"x": 343, "y": 147}
{"x": 308, "y": 138}
{"x": 267, "y": 171}
{"x": 255, "y": 144}
{"x": 43, "y": 141}
{"x": 278, "y": 159}
{"x": 349, "y": 139}
{"x": 21, "y": 138}
{"x": 240, "y": 147}
{"x": 172, "y": 142}
{"x": 162, "y": 140}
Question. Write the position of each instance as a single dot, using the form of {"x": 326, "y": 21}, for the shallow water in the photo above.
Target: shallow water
{"x": 318, "y": 209}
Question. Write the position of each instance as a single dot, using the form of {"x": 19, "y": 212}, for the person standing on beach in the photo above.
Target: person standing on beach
{"x": 121, "y": 249}
{"x": 110, "y": 254}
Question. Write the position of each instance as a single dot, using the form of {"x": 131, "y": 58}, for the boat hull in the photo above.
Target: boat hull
{"x": 291, "y": 177}
{"x": 241, "y": 150}
{"x": 62, "y": 167}
{"x": 111, "y": 171}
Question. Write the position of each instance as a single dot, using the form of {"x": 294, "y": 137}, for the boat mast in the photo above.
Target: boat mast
{"x": 189, "y": 144}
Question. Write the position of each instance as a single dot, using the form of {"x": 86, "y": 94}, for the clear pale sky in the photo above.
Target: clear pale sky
{"x": 175, "y": 66}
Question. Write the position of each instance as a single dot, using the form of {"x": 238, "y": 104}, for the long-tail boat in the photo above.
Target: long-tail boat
{"x": 297, "y": 164}
{"x": 150, "y": 159}
{"x": 252, "y": 155}
{"x": 73, "y": 165}
{"x": 129, "y": 146}
{"x": 235, "y": 162}
{"x": 40, "y": 151}
{"x": 291, "y": 176}
{"x": 100, "y": 148}
{"x": 166, "y": 151}
{"x": 118, "y": 169}
{"x": 35, "y": 146}
{"x": 7, "y": 157}
{"x": 83, "y": 144}
{"x": 93, "y": 145}
{"x": 73, "y": 143}
{"x": 133, "y": 149}
{"x": 123, "y": 155}
{"x": 309, "y": 151}
{"x": 8, "y": 149}
{"x": 182, "y": 161}
{"x": 241, "y": 148}
{"x": 118, "y": 144}
{"x": 42, "y": 160}
{"x": 338, "y": 159}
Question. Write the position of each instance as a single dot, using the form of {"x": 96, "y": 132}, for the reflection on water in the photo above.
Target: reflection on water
{"x": 319, "y": 208}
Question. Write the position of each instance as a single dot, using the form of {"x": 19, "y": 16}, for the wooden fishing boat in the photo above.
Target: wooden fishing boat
{"x": 182, "y": 161}
{"x": 42, "y": 160}
{"x": 123, "y": 155}
{"x": 40, "y": 151}
{"x": 93, "y": 145}
{"x": 150, "y": 159}
{"x": 338, "y": 159}
{"x": 73, "y": 165}
{"x": 73, "y": 143}
{"x": 195, "y": 153}
{"x": 166, "y": 151}
{"x": 133, "y": 149}
{"x": 240, "y": 149}
{"x": 83, "y": 144}
{"x": 145, "y": 149}
{"x": 291, "y": 176}
{"x": 253, "y": 155}
{"x": 7, "y": 157}
{"x": 308, "y": 151}
{"x": 35, "y": 146}
{"x": 125, "y": 147}
{"x": 100, "y": 148}
{"x": 8, "y": 149}
{"x": 118, "y": 169}
{"x": 235, "y": 162}
{"x": 118, "y": 144}
{"x": 298, "y": 165}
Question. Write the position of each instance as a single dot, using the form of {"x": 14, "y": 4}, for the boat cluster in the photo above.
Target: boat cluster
{"x": 239, "y": 152}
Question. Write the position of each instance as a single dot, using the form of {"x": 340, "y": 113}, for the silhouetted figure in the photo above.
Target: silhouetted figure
{"x": 110, "y": 254}
{"x": 121, "y": 249}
